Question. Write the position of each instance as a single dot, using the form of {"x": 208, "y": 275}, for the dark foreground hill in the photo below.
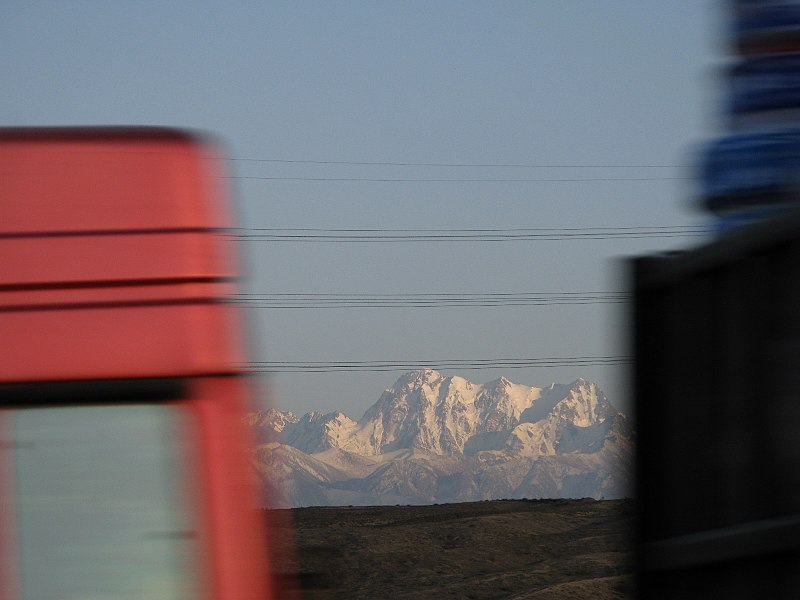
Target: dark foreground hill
{"x": 520, "y": 549}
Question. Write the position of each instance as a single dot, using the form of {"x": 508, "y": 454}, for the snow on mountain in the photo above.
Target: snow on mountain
{"x": 268, "y": 424}
{"x": 291, "y": 477}
{"x": 431, "y": 438}
{"x": 577, "y": 421}
{"x": 438, "y": 414}
{"x": 316, "y": 432}
{"x": 272, "y": 419}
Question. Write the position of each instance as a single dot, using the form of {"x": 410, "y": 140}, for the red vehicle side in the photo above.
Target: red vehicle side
{"x": 123, "y": 470}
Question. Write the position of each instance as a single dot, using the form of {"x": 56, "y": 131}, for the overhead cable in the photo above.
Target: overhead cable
{"x": 455, "y": 180}
{"x": 455, "y": 165}
{"x": 431, "y": 300}
{"x": 363, "y": 366}
{"x": 461, "y": 235}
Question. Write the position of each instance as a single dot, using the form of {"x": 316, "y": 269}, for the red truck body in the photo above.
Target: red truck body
{"x": 118, "y": 341}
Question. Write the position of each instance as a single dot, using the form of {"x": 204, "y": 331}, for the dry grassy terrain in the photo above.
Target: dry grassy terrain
{"x": 525, "y": 550}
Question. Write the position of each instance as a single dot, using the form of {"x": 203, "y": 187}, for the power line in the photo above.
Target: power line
{"x": 514, "y": 229}
{"x": 438, "y": 295}
{"x": 274, "y": 304}
{"x": 454, "y": 180}
{"x": 461, "y": 235}
{"x": 364, "y": 366}
{"x": 430, "y": 300}
{"x": 457, "y": 165}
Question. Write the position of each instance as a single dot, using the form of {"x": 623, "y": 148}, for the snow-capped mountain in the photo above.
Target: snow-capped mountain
{"x": 432, "y": 438}
{"x": 438, "y": 414}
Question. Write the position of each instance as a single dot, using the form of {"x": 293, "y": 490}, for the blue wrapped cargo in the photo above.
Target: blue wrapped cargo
{"x": 751, "y": 170}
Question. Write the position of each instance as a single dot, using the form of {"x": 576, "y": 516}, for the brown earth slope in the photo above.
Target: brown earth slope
{"x": 525, "y": 550}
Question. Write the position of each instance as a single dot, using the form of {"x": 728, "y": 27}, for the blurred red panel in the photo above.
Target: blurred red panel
{"x": 178, "y": 257}
{"x": 107, "y": 179}
{"x": 170, "y": 340}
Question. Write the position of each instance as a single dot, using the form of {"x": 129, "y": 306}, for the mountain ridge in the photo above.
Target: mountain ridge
{"x": 432, "y": 438}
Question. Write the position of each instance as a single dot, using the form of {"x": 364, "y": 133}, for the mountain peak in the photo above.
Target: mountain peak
{"x": 500, "y": 382}
{"x": 447, "y": 416}
{"x": 441, "y": 415}
{"x": 418, "y": 376}
{"x": 441, "y": 438}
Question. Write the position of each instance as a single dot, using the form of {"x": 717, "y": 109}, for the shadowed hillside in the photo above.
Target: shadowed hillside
{"x": 525, "y": 550}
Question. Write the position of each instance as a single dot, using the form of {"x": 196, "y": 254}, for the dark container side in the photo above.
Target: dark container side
{"x": 717, "y": 387}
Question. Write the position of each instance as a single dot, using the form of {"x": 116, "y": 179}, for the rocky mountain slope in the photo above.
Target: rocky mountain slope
{"x": 436, "y": 439}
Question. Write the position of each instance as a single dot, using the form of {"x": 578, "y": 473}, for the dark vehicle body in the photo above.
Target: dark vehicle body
{"x": 717, "y": 387}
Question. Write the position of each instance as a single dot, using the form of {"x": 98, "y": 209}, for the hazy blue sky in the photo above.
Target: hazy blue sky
{"x": 542, "y": 82}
